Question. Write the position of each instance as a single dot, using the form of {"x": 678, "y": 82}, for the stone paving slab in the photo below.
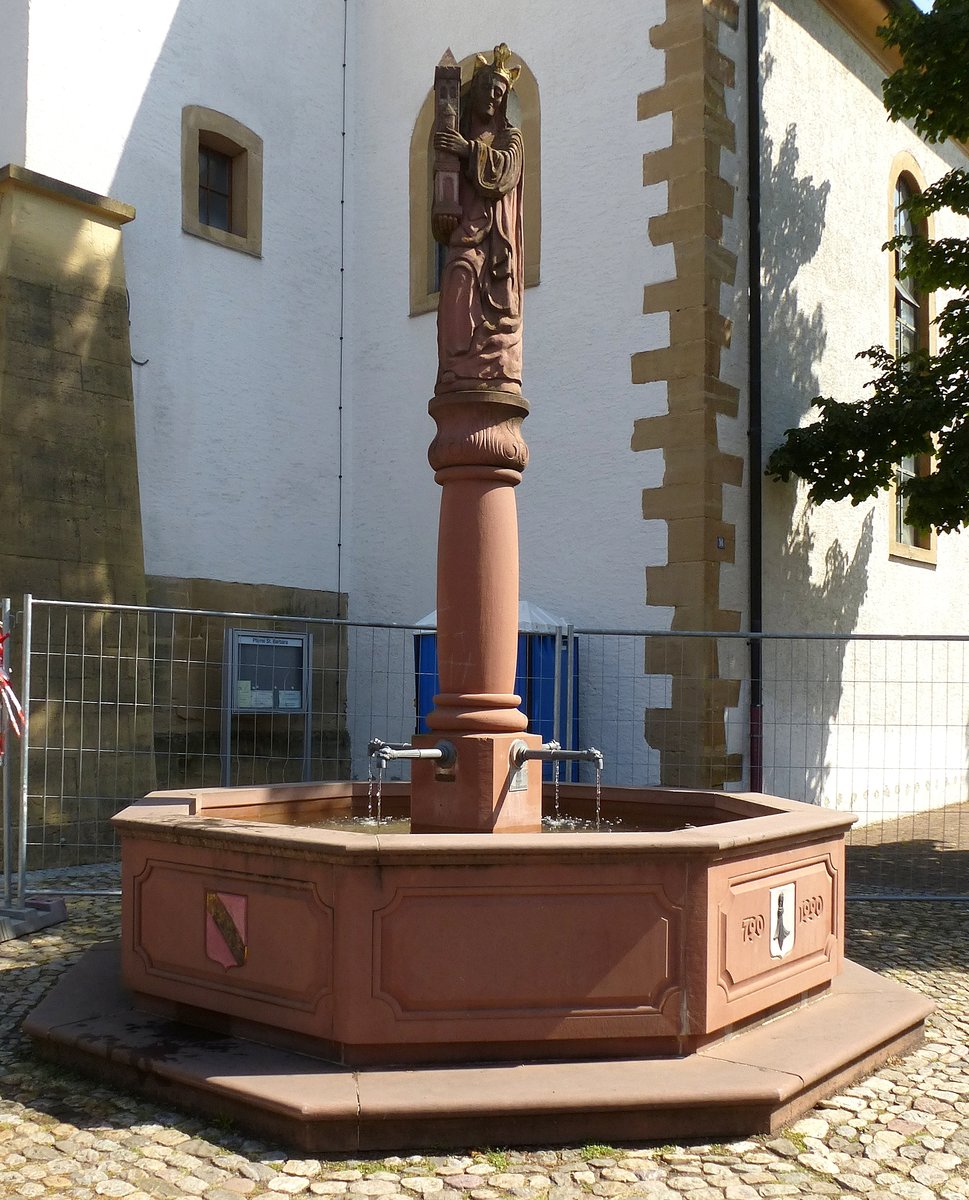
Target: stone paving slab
{"x": 755, "y": 1080}
{"x": 903, "y": 1132}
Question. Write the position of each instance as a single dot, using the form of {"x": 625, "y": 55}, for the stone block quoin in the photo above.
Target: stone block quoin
{"x": 690, "y": 734}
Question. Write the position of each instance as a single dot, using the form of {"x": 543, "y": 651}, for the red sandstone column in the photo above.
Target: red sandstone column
{"x": 478, "y": 456}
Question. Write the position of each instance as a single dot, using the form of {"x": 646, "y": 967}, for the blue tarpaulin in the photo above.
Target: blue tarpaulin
{"x": 534, "y": 679}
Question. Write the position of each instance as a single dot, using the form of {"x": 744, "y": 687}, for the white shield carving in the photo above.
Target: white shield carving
{"x": 782, "y": 918}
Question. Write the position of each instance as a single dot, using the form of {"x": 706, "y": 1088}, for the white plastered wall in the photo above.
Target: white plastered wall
{"x": 13, "y": 80}
{"x": 584, "y": 544}
{"x": 240, "y": 403}
{"x": 881, "y": 729}
{"x": 237, "y": 405}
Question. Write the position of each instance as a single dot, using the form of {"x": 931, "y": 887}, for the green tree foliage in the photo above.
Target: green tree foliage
{"x": 918, "y": 403}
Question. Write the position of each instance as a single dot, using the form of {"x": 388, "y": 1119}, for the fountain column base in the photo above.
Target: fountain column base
{"x": 482, "y": 792}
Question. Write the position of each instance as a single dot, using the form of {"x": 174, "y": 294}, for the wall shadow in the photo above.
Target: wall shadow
{"x": 890, "y": 938}
{"x": 809, "y": 586}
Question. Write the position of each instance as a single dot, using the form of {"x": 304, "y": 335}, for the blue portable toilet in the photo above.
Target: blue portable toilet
{"x": 534, "y": 678}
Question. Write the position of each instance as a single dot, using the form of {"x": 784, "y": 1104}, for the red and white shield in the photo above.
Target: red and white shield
{"x": 225, "y": 928}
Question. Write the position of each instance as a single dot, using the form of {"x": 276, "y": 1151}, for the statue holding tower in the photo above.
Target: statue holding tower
{"x": 477, "y": 215}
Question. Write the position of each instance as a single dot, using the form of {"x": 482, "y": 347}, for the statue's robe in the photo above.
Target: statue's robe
{"x": 479, "y": 323}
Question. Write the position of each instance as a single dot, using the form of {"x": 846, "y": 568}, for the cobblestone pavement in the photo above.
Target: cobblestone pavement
{"x": 903, "y": 1133}
{"x": 921, "y": 853}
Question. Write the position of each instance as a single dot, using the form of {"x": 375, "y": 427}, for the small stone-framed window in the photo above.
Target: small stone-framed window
{"x": 911, "y": 328}
{"x": 426, "y": 256}
{"x": 221, "y": 180}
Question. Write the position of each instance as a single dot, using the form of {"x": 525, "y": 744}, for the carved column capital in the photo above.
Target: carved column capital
{"x": 478, "y": 429}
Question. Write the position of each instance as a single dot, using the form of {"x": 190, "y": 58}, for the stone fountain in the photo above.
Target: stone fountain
{"x": 476, "y": 981}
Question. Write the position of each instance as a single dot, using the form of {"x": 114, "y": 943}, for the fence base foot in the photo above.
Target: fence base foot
{"x": 36, "y": 914}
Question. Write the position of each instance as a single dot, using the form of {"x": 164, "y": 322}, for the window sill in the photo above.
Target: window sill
{"x": 424, "y": 304}
{"x": 222, "y": 237}
{"x": 915, "y": 554}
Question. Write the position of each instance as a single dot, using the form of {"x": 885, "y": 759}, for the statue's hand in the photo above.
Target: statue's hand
{"x": 451, "y": 142}
{"x": 442, "y": 226}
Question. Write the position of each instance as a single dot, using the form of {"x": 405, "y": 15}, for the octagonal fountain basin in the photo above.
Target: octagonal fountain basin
{"x": 369, "y": 990}
{"x": 702, "y": 911}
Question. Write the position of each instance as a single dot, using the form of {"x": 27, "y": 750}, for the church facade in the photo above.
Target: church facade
{"x": 217, "y": 331}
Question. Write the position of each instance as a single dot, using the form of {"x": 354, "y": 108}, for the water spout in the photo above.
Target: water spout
{"x": 384, "y": 753}
{"x": 553, "y": 752}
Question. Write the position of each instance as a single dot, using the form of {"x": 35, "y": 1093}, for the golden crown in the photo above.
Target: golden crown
{"x": 499, "y": 66}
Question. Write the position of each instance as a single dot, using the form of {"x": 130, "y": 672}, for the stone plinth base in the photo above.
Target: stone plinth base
{"x": 755, "y": 1081}
{"x": 482, "y": 792}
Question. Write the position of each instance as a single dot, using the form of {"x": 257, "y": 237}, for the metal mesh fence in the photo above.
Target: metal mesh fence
{"x": 877, "y": 727}
{"x": 125, "y": 700}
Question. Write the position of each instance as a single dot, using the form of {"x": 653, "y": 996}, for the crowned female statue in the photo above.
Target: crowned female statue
{"x": 479, "y": 321}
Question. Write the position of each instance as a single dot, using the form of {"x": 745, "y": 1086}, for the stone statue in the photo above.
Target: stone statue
{"x": 477, "y": 215}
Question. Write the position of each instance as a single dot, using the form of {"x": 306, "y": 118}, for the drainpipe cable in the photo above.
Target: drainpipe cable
{"x": 755, "y": 446}
{"x": 343, "y": 247}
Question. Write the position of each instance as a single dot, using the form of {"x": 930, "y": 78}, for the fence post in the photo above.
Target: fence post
{"x": 25, "y": 636}
{"x": 756, "y": 766}
{"x": 569, "y": 686}
{"x": 18, "y": 918}
{"x": 5, "y": 755}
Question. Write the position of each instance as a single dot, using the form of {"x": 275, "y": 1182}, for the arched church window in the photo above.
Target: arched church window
{"x": 911, "y": 328}
{"x": 909, "y": 323}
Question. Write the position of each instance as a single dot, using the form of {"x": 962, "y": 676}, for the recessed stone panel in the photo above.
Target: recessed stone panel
{"x": 459, "y": 952}
{"x": 225, "y": 932}
{"x": 777, "y": 933}
{"x": 774, "y": 926}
